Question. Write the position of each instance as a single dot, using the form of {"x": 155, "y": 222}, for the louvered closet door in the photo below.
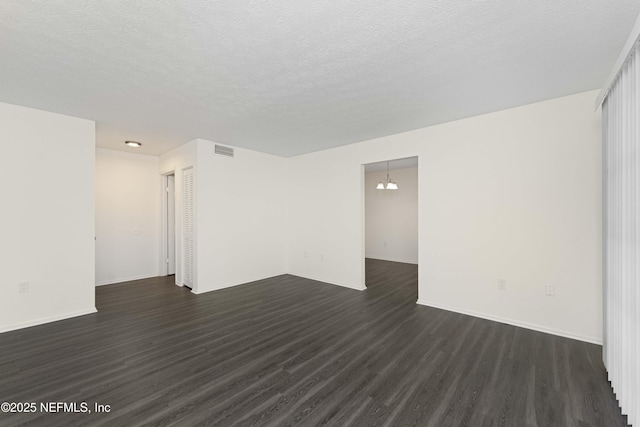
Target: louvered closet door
{"x": 188, "y": 228}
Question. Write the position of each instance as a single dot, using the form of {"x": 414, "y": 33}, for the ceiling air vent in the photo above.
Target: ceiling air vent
{"x": 223, "y": 151}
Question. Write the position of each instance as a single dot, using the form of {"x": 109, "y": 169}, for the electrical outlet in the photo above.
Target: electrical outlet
{"x": 23, "y": 287}
{"x": 502, "y": 284}
{"x": 550, "y": 291}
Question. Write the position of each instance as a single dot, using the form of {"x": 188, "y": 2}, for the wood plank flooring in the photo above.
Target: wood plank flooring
{"x": 291, "y": 351}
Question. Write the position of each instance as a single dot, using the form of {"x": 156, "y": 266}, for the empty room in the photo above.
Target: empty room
{"x": 356, "y": 213}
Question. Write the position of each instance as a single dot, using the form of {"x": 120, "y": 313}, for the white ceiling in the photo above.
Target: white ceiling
{"x": 290, "y": 77}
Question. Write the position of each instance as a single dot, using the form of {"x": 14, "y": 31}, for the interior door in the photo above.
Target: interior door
{"x": 171, "y": 225}
{"x": 188, "y": 228}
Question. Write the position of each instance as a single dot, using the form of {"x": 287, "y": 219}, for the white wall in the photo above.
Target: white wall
{"x": 127, "y": 216}
{"x": 391, "y": 216}
{"x": 240, "y": 221}
{"x": 513, "y": 195}
{"x": 47, "y": 216}
{"x": 241, "y": 217}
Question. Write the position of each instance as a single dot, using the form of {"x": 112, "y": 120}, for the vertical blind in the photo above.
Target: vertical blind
{"x": 621, "y": 173}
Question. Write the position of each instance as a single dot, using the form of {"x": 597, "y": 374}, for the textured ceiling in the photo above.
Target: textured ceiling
{"x": 289, "y": 77}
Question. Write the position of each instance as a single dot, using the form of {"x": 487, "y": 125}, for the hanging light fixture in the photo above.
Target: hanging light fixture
{"x": 391, "y": 185}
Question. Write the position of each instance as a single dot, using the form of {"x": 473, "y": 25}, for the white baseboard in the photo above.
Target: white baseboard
{"x": 526, "y": 325}
{"x": 404, "y": 261}
{"x": 44, "y": 320}
{"x": 355, "y": 287}
{"x": 230, "y": 285}
{"x": 124, "y": 279}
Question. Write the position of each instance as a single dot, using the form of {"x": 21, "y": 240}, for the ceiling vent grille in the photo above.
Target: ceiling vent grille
{"x": 223, "y": 151}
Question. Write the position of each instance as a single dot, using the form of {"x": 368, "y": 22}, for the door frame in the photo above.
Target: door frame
{"x": 363, "y": 215}
{"x": 164, "y": 182}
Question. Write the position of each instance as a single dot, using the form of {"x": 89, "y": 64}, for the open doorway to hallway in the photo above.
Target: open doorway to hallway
{"x": 391, "y": 226}
{"x": 169, "y": 224}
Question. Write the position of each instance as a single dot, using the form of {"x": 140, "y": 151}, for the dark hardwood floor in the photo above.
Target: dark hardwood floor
{"x": 291, "y": 351}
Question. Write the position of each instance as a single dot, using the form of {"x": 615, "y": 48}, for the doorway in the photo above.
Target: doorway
{"x": 391, "y": 226}
{"x": 169, "y": 224}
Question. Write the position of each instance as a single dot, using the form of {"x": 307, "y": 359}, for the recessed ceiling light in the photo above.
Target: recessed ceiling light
{"x": 133, "y": 144}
